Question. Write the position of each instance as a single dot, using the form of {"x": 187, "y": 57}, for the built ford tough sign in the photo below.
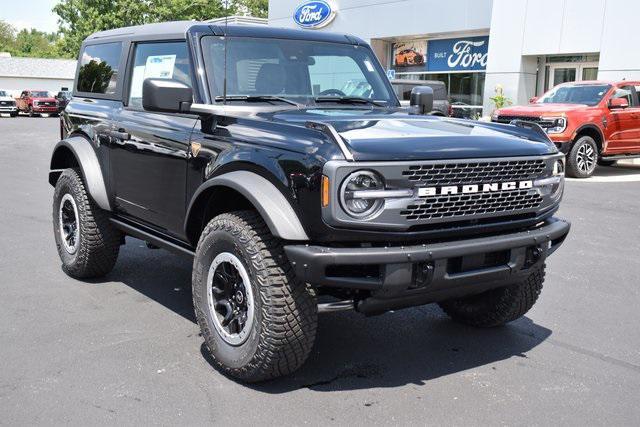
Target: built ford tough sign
{"x": 281, "y": 161}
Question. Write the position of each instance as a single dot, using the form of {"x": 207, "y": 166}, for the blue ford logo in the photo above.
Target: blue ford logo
{"x": 314, "y": 14}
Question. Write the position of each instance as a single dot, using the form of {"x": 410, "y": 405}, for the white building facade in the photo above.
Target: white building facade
{"x": 18, "y": 74}
{"x": 525, "y": 46}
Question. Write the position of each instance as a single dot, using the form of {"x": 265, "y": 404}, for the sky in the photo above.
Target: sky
{"x": 30, "y": 14}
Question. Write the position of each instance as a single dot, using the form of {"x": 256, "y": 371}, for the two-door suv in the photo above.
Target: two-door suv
{"x": 282, "y": 162}
{"x": 592, "y": 122}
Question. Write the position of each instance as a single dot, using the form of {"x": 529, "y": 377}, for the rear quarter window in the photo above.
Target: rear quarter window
{"x": 98, "y": 72}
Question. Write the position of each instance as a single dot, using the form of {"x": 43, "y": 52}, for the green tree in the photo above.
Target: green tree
{"x": 35, "y": 43}
{"x": 7, "y": 36}
{"x": 31, "y": 42}
{"x": 80, "y": 18}
{"x": 257, "y": 8}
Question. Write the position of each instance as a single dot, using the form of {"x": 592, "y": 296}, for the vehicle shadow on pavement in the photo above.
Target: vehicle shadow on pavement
{"x": 411, "y": 346}
{"x": 162, "y": 276}
{"x": 352, "y": 351}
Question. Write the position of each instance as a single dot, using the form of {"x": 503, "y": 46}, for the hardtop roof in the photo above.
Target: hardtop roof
{"x": 179, "y": 29}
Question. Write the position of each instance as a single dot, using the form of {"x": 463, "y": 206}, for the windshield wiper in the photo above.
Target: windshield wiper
{"x": 259, "y": 98}
{"x": 348, "y": 100}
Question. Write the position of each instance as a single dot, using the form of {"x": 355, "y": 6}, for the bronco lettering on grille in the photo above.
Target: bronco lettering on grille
{"x": 474, "y": 188}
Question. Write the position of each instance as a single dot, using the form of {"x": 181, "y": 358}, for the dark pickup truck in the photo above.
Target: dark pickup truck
{"x": 295, "y": 190}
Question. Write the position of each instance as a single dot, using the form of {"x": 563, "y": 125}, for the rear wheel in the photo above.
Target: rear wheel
{"x": 87, "y": 242}
{"x": 258, "y": 321}
{"x": 497, "y": 306}
{"x": 582, "y": 159}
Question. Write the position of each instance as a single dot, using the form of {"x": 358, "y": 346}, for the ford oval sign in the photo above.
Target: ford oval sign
{"x": 314, "y": 14}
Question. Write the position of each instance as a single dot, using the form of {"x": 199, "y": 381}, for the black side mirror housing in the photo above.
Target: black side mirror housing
{"x": 421, "y": 100}
{"x": 166, "y": 95}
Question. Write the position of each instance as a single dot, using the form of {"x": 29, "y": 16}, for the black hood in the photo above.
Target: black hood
{"x": 377, "y": 134}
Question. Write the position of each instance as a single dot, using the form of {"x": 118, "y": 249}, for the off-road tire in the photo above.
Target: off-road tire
{"x": 573, "y": 170}
{"x": 285, "y": 312}
{"x": 13, "y": 114}
{"x": 497, "y": 306}
{"x": 99, "y": 241}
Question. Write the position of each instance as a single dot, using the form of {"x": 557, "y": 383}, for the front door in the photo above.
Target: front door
{"x": 572, "y": 72}
{"x": 624, "y": 123}
{"x": 150, "y": 150}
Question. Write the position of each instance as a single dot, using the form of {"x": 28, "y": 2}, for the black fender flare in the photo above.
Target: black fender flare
{"x": 82, "y": 150}
{"x": 274, "y": 208}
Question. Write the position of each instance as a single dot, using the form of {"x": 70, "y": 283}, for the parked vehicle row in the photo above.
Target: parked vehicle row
{"x": 34, "y": 102}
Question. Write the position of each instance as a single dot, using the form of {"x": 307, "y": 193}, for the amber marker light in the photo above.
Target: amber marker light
{"x": 325, "y": 191}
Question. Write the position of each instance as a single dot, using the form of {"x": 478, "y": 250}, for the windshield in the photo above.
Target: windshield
{"x": 39, "y": 94}
{"x": 297, "y": 70}
{"x": 3, "y": 93}
{"x": 575, "y": 94}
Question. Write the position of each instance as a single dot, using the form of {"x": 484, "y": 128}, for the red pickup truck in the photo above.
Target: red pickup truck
{"x": 592, "y": 122}
{"x": 35, "y": 102}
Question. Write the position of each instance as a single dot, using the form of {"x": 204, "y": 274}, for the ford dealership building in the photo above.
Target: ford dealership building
{"x": 526, "y": 46}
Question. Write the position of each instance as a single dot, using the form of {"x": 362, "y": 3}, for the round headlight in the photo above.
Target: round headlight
{"x": 353, "y": 194}
{"x": 558, "y": 167}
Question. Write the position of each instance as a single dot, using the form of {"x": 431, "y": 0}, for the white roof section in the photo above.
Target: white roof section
{"x": 39, "y": 68}
{"x": 239, "y": 20}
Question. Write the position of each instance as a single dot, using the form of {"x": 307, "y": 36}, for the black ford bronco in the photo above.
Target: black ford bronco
{"x": 281, "y": 161}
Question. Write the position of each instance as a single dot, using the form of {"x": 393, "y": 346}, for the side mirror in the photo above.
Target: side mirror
{"x": 421, "y": 100}
{"x": 166, "y": 95}
{"x": 617, "y": 103}
{"x": 533, "y": 100}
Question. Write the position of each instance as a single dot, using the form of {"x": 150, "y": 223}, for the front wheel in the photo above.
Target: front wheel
{"x": 258, "y": 321}
{"x": 497, "y": 306}
{"x": 582, "y": 159}
{"x": 88, "y": 244}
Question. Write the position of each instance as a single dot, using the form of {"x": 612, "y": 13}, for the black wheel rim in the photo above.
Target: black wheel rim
{"x": 586, "y": 158}
{"x": 69, "y": 224}
{"x": 230, "y": 298}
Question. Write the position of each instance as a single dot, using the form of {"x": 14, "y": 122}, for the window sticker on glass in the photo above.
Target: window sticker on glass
{"x": 369, "y": 66}
{"x": 159, "y": 66}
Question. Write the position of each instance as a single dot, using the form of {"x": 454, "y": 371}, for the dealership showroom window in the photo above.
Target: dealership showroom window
{"x": 525, "y": 47}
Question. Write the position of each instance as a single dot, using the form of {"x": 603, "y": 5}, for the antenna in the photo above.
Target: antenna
{"x": 226, "y": 39}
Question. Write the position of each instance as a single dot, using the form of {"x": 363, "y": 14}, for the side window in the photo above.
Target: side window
{"x": 624, "y": 92}
{"x": 99, "y": 65}
{"x": 167, "y": 60}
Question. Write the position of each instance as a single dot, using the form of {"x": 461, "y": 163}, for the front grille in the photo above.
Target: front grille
{"x": 508, "y": 119}
{"x": 7, "y": 103}
{"x": 472, "y": 204}
{"x": 538, "y": 120}
{"x": 474, "y": 172}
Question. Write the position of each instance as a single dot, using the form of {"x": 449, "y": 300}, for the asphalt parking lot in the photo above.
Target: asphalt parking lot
{"x": 126, "y": 350}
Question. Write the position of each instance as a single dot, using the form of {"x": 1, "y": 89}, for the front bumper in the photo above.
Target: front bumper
{"x": 44, "y": 109}
{"x": 420, "y": 274}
